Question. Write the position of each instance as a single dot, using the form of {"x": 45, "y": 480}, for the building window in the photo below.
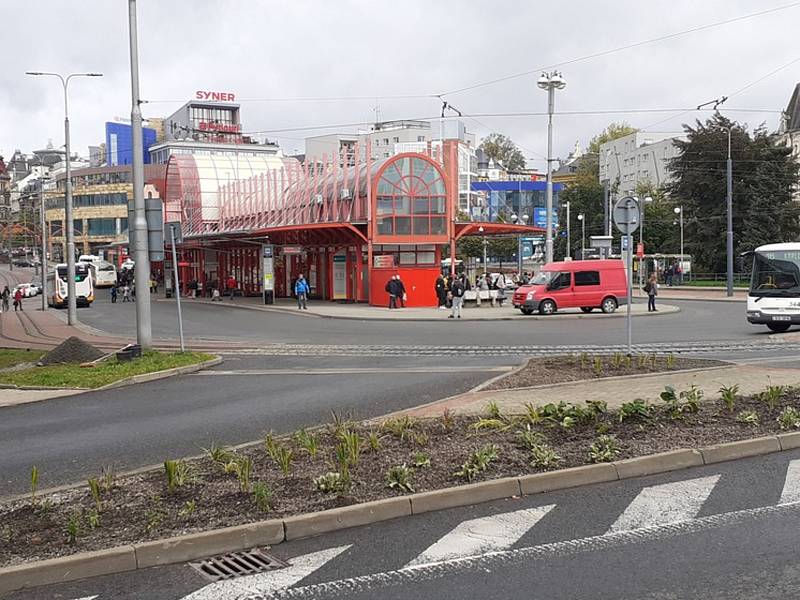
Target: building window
{"x": 106, "y": 227}
{"x": 385, "y": 141}
{"x": 56, "y": 228}
{"x": 77, "y": 226}
{"x": 420, "y": 138}
{"x": 396, "y": 140}
{"x": 411, "y": 200}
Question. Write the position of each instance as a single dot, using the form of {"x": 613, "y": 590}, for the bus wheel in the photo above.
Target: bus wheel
{"x": 779, "y": 327}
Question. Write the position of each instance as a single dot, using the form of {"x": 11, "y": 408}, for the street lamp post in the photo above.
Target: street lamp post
{"x": 582, "y": 219}
{"x": 43, "y": 224}
{"x": 679, "y": 211}
{"x": 550, "y": 82}
{"x": 729, "y": 202}
{"x": 485, "y": 243}
{"x": 569, "y": 237}
{"x": 72, "y": 306}
{"x": 643, "y": 204}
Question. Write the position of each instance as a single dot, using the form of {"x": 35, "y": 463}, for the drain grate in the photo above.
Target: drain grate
{"x": 237, "y": 564}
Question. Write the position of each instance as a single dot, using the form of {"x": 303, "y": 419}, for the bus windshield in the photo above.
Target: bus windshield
{"x": 81, "y": 273}
{"x": 776, "y": 273}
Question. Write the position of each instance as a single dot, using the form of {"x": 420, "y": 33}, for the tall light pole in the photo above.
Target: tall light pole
{"x": 643, "y": 205}
{"x": 582, "y": 219}
{"x": 550, "y": 82}
{"x": 138, "y": 229}
{"x": 43, "y": 224}
{"x": 72, "y": 306}
{"x": 569, "y": 237}
{"x": 679, "y": 211}
{"x": 485, "y": 243}
{"x": 729, "y": 236}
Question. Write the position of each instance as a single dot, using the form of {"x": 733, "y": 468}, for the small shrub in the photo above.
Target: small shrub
{"x": 568, "y": 422}
{"x": 399, "y": 478}
{"x": 34, "y": 483}
{"x": 484, "y": 424}
{"x": 637, "y": 409}
{"x": 331, "y": 483}
{"x": 73, "y": 528}
{"x": 262, "y": 496}
{"x": 748, "y": 417}
{"x": 543, "y": 456}
{"x": 107, "y": 478}
{"x": 339, "y": 424}
{"x": 373, "y": 441}
{"x": 772, "y": 395}
{"x": 532, "y": 414}
{"x": 187, "y": 510}
{"x": 672, "y": 405}
{"x": 421, "y": 439}
{"x": 602, "y": 428}
{"x": 399, "y": 427}
{"x": 308, "y": 442}
{"x": 219, "y": 454}
{"x": 641, "y": 361}
{"x": 616, "y": 362}
{"x": 420, "y": 460}
{"x": 729, "y": 394}
{"x": 93, "y": 519}
{"x": 584, "y": 360}
{"x": 597, "y": 407}
{"x": 628, "y": 361}
{"x": 604, "y": 449}
{"x": 94, "y": 490}
{"x": 244, "y": 468}
{"x": 153, "y": 519}
{"x": 653, "y": 359}
{"x": 179, "y": 473}
{"x": 669, "y": 361}
{"x": 477, "y": 462}
{"x": 528, "y": 439}
{"x": 280, "y": 454}
{"x": 598, "y": 365}
{"x": 351, "y": 442}
{"x": 448, "y": 419}
{"x": 493, "y": 410}
{"x": 789, "y": 418}
{"x": 691, "y": 399}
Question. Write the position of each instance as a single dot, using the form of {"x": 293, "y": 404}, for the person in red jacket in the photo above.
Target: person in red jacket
{"x": 231, "y": 286}
{"x": 18, "y": 300}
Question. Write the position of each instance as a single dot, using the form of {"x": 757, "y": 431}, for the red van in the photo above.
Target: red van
{"x": 584, "y": 284}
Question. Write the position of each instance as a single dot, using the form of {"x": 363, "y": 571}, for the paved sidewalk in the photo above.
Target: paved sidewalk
{"x": 616, "y": 390}
{"x": 689, "y": 293}
{"x": 334, "y": 310}
{"x": 12, "y": 397}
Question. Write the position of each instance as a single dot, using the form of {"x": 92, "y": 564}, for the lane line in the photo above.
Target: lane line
{"x": 486, "y": 534}
{"x": 353, "y": 371}
{"x": 665, "y": 503}
{"x": 268, "y": 582}
{"x": 791, "y": 485}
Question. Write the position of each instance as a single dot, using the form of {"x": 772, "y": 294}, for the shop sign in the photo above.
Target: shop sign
{"x": 219, "y": 127}
{"x": 339, "y": 258}
{"x": 383, "y": 261}
{"x": 292, "y": 249}
{"x": 216, "y": 96}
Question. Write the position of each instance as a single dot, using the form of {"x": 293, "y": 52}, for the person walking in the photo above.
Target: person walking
{"x": 301, "y": 290}
{"x": 501, "y": 288}
{"x": 401, "y": 291}
{"x": 391, "y": 289}
{"x": 6, "y": 295}
{"x": 17, "y": 300}
{"x": 457, "y": 293}
{"x": 441, "y": 292}
{"x": 668, "y": 272}
{"x": 126, "y": 293}
{"x": 114, "y": 293}
{"x": 651, "y": 287}
{"x": 230, "y": 285}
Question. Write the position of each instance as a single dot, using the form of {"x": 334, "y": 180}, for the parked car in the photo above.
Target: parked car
{"x": 36, "y": 288}
{"x": 24, "y": 262}
{"x": 584, "y": 284}
{"x": 25, "y": 288}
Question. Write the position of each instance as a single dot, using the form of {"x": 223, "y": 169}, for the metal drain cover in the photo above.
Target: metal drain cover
{"x": 237, "y": 564}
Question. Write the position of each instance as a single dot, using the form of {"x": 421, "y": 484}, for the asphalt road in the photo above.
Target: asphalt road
{"x": 724, "y": 531}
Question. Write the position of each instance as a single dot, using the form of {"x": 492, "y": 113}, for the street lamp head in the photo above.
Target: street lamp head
{"x": 678, "y": 210}
{"x": 580, "y": 217}
{"x": 480, "y": 229}
{"x": 543, "y": 81}
{"x": 514, "y": 218}
{"x": 558, "y": 81}
{"x": 525, "y": 218}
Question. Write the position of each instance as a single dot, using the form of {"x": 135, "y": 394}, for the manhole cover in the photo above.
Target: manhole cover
{"x": 237, "y": 564}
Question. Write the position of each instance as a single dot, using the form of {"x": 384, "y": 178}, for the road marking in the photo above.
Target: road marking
{"x": 268, "y": 582}
{"x": 352, "y": 371}
{"x": 478, "y": 536}
{"x": 791, "y": 485}
{"x": 368, "y": 585}
{"x": 666, "y": 503}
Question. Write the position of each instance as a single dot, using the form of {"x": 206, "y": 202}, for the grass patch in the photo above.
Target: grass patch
{"x": 71, "y": 375}
{"x": 10, "y": 357}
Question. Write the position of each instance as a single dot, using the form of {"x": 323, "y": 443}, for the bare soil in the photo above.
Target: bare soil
{"x": 139, "y": 507}
{"x": 559, "y": 369}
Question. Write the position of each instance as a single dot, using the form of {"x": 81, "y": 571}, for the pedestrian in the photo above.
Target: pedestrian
{"x": 215, "y": 295}
{"x": 391, "y": 289}
{"x": 441, "y": 292}
{"x": 126, "y": 293}
{"x": 668, "y": 273}
{"x": 153, "y": 286}
{"x": 401, "y": 291}
{"x": 501, "y": 288}
{"x": 301, "y": 290}
{"x": 457, "y": 295}
{"x": 651, "y": 287}
{"x": 677, "y": 274}
{"x": 114, "y": 292}
{"x": 6, "y": 295}
{"x": 17, "y": 300}
{"x": 484, "y": 287}
{"x": 231, "y": 286}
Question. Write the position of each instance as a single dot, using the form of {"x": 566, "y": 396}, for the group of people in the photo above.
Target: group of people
{"x": 673, "y": 274}
{"x": 483, "y": 283}
{"x": 397, "y": 292}
{"x": 7, "y": 295}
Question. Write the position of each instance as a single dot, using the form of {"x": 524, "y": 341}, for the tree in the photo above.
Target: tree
{"x": 764, "y": 175}
{"x": 612, "y": 132}
{"x": 585, "y": 196}
{"x": 502, "y": 150}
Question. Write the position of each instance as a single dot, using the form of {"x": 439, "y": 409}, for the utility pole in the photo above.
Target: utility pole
{"x": 569, "y": 238}
{"x": 144, "y": 334}
{"x": 550, "y": 82}
{"x": 729, "y": 236}
{"x": 43, "y": 224}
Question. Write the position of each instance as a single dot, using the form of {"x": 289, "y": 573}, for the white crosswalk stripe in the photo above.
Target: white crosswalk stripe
{"x": 791, "y": 485}
{"x": 666, "y": 503}
{"x": 478, "y": 536}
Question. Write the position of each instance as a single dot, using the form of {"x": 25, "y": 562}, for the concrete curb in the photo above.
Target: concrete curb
{"x": 265, "y": 533}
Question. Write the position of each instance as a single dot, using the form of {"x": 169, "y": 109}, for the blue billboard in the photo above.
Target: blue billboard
{"x": 119, "y": 143}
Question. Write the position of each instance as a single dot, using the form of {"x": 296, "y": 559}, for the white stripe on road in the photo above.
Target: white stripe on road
{"x": 666, "y": 503}
{"x": 478, "y": 536}
{"x": 791, "y": 486}
{"x": 268, "y": 582}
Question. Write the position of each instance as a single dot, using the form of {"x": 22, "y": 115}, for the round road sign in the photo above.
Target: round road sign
{"x": 627, "y": 214}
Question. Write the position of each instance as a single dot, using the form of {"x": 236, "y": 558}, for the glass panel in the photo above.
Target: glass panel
{"x": 402, "y": 205}
{"x": 426, "y": 258}
{"x": 384, "y": 206}
{"x": 437, "y": 188}
{"x": 429, "y": 175}
{"x": 404, "y": 166}
{"x": 385, "y": 226}
{"x": 426, "y": 247}
{"x": 421, "y": 226}
{"x": 384, "y": 187}
{"x": 437, "y": 225}
{"x": 391, "y": 174}
{"x": 77, "y": 226}
{"x": 421, "y": 206}
{"x": 438, "y": 206}
{"x": 408, "y": 258}
{"x": 394, "y": 247}
{"x": 402, "y": 225}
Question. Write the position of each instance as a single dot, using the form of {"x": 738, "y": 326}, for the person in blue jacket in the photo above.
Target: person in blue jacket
{"x": 301, "y": 290}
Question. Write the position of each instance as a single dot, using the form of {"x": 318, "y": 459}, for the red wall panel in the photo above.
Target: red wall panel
{"x": 419, "y": 283}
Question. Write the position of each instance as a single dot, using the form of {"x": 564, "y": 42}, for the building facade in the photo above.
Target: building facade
{"x": 637, "y": 159}
{"x": 789, "y": 130}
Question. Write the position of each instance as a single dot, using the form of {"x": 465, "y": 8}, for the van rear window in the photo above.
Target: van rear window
{"x": 587, "y": 278}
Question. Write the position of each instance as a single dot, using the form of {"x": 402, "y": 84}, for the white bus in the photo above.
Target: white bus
{"x": 103, "y": 273}
{"x": 774, "y": 296}
{"x": 56, "y": 288}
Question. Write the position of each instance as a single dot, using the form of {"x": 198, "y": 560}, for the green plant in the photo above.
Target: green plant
{"x": 628, "y": 361}
{"x": 691, "y": 399}
{"x": 543, "y": 456}
{"x": 94, "y": 489}
{"x": 532, "y": 414}
{"x": 728, "y": 394}
{"x": 597, "y": 407}
{"x": 6, "y": 534}
{"x": 244, "y": 468}
{"x": 653, "y": 358}
{"x": 188, "y": 508}
{"x": 73, "y": 528}
{"x": 748, "y": 417}
{"x": 420, "y": 460}
{"x": 93, "y": 519}
{"x": 280, "y": 454}
{"x": 477, "y": 462}
{"x": 604, "y": 449}
{"x": 153, "y": 519}
{"x": 262, "y": 496}
{"x": 637, "y": 409}
{"x": 308, "y": 442}
{"x": 339, "y": 424}
{"x": 448, "y": 419}
{"x": 493, "y": 410}
{"x": 107, "y": 477}
{"x": 789, "y": 418}
{"x": 584, "y": 360}
{"x": 484, "y": 424}
{"x": 232, "y": 466}
{"x": 568, "y": 422}
{"x": 34, "y": 483}
{"x": 602, "y": 428}
{"x": 46, "y": 507}
{"x": 351, "y": 442}
{"x": 670, "y": 361}
{"x": 399, "y": 427}
{"x": 331, "y": 483}
{"x": 597, "y": 365}
{"x": 421, "y": 438}
{"x": 616, "y": 361}
{"x": 670, "y": 399}
{"x": 179, "y": 473}
{"x": 373, "y": 441}
{"x": 219, "y": 454}
{"x": 399, "y": 478}
{"x": 772, "y": 395}
{"x": 528, "y": 438}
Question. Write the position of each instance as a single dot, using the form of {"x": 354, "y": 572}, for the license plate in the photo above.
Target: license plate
{"x": 782, "y": 318}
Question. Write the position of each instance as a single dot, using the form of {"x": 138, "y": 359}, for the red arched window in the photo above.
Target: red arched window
{"x": 410, "y": 200}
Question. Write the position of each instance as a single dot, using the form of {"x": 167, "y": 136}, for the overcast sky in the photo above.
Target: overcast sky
{"x": 265, "y": 49}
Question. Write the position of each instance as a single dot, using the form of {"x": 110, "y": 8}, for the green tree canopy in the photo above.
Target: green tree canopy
{"x": 504, "y": 151}
{"x": 612, "y": 132}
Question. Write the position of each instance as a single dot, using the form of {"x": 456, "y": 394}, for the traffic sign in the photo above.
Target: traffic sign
{"x": 627, "y": 215}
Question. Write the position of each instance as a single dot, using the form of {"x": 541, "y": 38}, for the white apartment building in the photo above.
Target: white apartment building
{"x": 636, "y": 159}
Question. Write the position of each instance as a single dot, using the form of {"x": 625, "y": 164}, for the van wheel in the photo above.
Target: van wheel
{"x": 609, "y": 305}
{"x": 587, "y": 309}
{"x": 547, "y": 307}
{"x": 526, "y": 311}
{"x": 779, "y": 327}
